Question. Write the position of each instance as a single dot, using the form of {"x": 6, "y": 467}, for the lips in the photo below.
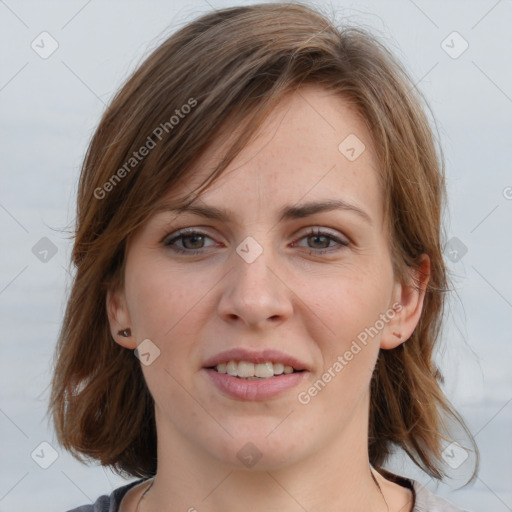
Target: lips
{"x": 261, "y": 356}
{"x": 254, "y": 390}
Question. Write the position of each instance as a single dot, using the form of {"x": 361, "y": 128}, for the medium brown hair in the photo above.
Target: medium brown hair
{"x": 231, "y": 68}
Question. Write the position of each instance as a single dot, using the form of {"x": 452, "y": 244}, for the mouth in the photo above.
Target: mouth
{"x": 246, "y": 370}
{"x": 249, "y": 386}
{"x": 245, "y": 374}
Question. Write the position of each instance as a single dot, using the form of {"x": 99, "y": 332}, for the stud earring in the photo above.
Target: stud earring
{"x": 398, "y": 335}
{"x": 126, "y": 333}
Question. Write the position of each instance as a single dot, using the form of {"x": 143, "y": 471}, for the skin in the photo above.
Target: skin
{"x": 293, "y": 298}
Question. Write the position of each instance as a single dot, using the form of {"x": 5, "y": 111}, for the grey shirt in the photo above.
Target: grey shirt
{"x": 424, "y": 500}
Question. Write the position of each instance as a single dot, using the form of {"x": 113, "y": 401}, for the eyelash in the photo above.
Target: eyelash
{"x": 186, "y": 233}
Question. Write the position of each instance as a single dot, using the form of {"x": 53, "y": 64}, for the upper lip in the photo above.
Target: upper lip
{"x": 261, "y": 356}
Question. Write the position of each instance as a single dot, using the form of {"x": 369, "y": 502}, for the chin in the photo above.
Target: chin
{"x": 261, "y": 449}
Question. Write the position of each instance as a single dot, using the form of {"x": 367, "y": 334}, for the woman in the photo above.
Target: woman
{"x": 259, "y": 224}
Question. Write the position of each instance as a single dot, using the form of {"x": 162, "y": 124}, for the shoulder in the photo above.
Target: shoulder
{"x": 108, "y": 503}
{"x": 426, "y": 501}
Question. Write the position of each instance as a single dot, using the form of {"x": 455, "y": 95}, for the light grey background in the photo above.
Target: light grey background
{"x": 49, "y": 109}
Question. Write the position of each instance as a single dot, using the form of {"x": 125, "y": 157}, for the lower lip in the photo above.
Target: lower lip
{"x": 254, "y": 389}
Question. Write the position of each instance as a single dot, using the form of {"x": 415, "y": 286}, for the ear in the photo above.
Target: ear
{"x": 408, "y": 302}
{"x": 119, "y": 318}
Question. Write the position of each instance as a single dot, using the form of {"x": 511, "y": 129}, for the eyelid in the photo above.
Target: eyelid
{"x": 341, "y": 240}
{"x": 184, "y": 232}
{"x": 315, "y": 229}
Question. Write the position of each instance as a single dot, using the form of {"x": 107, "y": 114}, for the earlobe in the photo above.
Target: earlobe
{"x": 119, "y": 319}
{"x": 410, "y": 298}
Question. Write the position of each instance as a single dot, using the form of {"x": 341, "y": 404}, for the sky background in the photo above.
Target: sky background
{"x": 459, "y": 53}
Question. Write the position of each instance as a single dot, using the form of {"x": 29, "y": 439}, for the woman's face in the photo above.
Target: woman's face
{"x": 315, "y": 284}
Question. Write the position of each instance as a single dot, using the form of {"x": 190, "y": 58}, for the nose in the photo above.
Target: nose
{"x": 255, "y": 294}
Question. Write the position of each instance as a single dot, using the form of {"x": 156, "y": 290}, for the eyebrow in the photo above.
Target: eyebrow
{"x": 286, "y": 213}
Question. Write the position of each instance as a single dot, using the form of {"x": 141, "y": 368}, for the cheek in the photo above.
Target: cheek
{"x": 157, "y": 297}
{"x": 169, "y": 304}
{"x": 349, "y": 340}
{"x": 352, "y": 300}
{"x": 349, "y": 333}
{"x": 164, "y": 305}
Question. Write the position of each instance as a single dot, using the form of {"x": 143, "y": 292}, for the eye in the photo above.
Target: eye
{"x": 192, "y": 241}
{"x": 321, "y": 241}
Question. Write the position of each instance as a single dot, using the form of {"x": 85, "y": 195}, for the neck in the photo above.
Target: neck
{"x": 336, "y": 477}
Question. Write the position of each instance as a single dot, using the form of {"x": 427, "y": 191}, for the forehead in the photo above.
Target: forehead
{"x": 314, "y": 145}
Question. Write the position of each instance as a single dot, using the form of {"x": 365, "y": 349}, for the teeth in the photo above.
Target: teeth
{"x": 247, "y": 370}
{"x": 264, "y": 370}
{"x": 221, "y": 368}
{"x": 231, "y": 368}
{"x": 278, "y": 368}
